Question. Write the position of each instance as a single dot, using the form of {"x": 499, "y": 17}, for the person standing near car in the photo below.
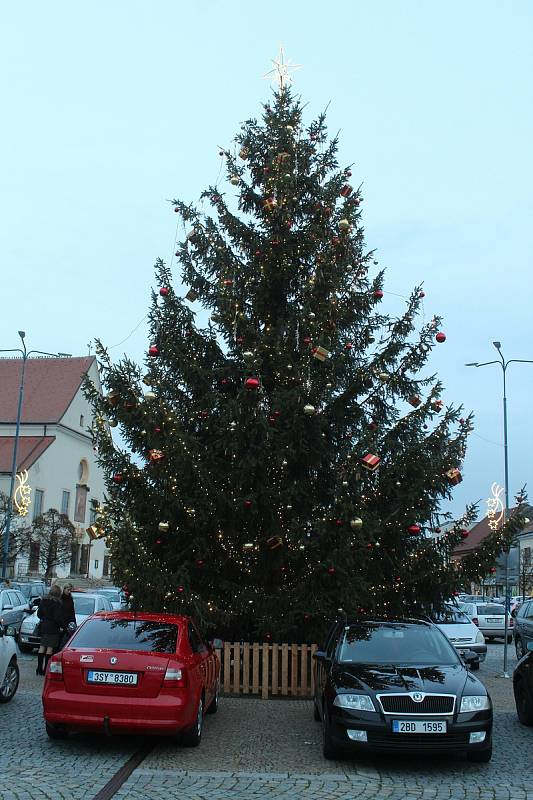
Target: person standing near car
{"x": 50, "y": 613}
{"x": 69, "y": 615}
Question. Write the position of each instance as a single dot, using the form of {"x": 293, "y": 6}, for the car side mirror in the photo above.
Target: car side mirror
{"x": 529, "y": 646}
{"x": 216, "y": 644}
{"x": 319, "y": 654}
{"x": 470, "y": 658}
{"x": 7, "y": 607}
{"x": 35, "y": 601}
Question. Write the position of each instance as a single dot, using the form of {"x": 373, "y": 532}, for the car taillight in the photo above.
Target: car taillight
{"x": 475, "y": 620}
{"x": 55, "y": 669}
{"x": 175, "y": 676}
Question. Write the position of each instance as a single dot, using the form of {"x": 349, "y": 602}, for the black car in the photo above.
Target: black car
{"x": 523, "y": 686}
{"x": 399, "y": 686}
{"x": 523, "y": 628}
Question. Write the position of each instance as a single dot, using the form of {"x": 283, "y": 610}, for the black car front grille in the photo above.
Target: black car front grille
{"x": 404, "y": 704}
{"x": 418, "y": 741}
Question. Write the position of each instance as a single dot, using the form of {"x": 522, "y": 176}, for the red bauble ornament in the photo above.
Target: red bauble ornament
{"x": 153, "y": 350}
{"x": 239, "y": 339}
{"x": 268, "y": 636}
{"x": 252, "y": 383}
{"x": 164, "y": 291}
{"x": 204, "y": 414}
{"x": 306, "y": 617}
{"x": 440, "y": 337}
{"x": 332, "y": 570}
{"x": 176, "y": 210}
{"x": 157, "y": 430}
{"x": 307, "y": 340}
{"x": 414, "y": 529}
{"x": 247, "y": 503}
{"x": 277, "y": 413}
{"x": 348, "y": 346}
{"x": 199, "y": 562}
{"x": 437, "y": 530}
{"x": 118, "y": 477}
{"x": 369, "y": 546}
{"x": 338, "y": 522}
{"x": 158, "y": 541}
{"x": 258, "y": 253}
{"x": 493, "y": 570}
{"x": 422, "y": 294}
{"x": 378, "y": 293}
{"x": 465, "y": 533}
{"x": 188, "y": 333}
{"x": 348, "y": 173}
{"x": 181, "y": 589}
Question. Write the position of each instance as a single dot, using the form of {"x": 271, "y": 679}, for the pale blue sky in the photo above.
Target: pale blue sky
{"x": 110, "y": 108}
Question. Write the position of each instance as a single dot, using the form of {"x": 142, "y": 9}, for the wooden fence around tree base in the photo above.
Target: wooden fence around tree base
{"x": 284, "y": 670}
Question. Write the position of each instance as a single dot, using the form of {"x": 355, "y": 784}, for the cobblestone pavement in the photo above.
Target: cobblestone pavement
{"x": 253, "y": 748}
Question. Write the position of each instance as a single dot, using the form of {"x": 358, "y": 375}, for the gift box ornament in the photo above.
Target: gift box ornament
{"x": 414, "y": 400}
{"x": 454, "y": 476}
{"x": 274, "y": 542}
{"x": 156, "y": 455}
{"x": 191, "y": 295}
{"x": 370, "y": 462}
{"x": 321, "y": 353}
{"x": 436, "y": 405}
{"x": 270, "y": 203}
{"x": 95, "y": 532}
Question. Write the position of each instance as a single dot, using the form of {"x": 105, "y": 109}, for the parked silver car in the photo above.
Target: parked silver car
{"x": 13, "y": 608}
{"x": 490, "y": 619}
{"x": 85, "y": 604}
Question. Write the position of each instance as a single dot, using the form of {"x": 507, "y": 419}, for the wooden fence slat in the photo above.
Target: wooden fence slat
{"x": 294, "y": 670}
{"x": 255, "y": 668}
{"x": 245, "y": 668}
{"x": 227, "y": 667}
{"x": 314, "y": 648}
{"x": 266, "y": 671}
{"x": 304, "y": 691}
{"x": 284, "y": 669}
{"x": 236, "y": 668}
{"x": 274, "y": 668}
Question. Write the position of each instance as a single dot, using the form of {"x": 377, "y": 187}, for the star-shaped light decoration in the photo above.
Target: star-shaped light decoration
{"x": 281, "y": 72}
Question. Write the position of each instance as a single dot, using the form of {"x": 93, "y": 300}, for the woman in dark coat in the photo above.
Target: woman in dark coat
{"x": 50, "y": 613}
{"x": 69, "y": 615}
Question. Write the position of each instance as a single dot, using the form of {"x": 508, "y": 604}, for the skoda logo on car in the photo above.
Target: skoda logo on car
{"x": 417, "y": 697}
{"x": 113, "y": 660}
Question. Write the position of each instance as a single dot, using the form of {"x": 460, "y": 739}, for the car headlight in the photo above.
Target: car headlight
{"x": 29, "y": 625}
{"x": 479, "y": 638}
{"x": 475, "y": 702}
{"x": 358, "y": 702}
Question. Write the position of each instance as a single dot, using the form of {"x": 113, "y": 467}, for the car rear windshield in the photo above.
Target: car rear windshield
{"x": 488, "y": 610}
{"x": 128, "y": 634}
{"x": 83, "y": 605}
{"x": 395, "y": 643}
{"x": 450, "y": 616}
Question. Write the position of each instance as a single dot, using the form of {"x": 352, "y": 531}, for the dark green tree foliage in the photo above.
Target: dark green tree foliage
{"x": 274, "y": 522}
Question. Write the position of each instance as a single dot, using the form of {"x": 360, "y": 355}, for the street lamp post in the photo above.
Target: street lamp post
{"x": 9, "y": 513}
{"x": 504, "y": 364}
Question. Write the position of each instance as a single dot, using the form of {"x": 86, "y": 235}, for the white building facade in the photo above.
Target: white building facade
{"x": 55, "y": 447}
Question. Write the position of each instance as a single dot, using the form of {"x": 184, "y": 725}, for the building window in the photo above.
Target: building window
{"x": 65, "y": 502}
{"x": 93, "y": 510}
{"x": 82, "y": 420}
{"x": 96, "y": 564}
{"x": 81, "y": 503}
{"x": 38, "y": 497}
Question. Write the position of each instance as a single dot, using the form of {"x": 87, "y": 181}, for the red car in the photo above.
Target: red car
{"x": 132, "y": 672}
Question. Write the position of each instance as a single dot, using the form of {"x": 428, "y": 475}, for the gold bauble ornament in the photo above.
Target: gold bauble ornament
{"x": 147, "y": 379}
{"x": 344, "y": 224}
{"x": 150, "y": 395}
{"x": 248, "y": 546}
{"x": 309, "y": 410}
{"x": 383, "y": 376}
{"x": 312, "y": 315}
{"x": 289, "y": 128}
{"x": 164, "y": 527}
{"x": 329, "y": 385}
{"x": 234, "y": 180}
{"x": 356, "y": 523}
{"x": 112, "y": 423}
{"x": 345, "y": 483}
{"x": 248, "y": 355}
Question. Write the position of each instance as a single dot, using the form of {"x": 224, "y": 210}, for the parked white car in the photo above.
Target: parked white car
{"x": 114, "y": 596}
{"x": 9, "y": 671}
{"x": 461, "y": 632}
{"x": 85, "y": 604}
{"x": 490, "y": 619}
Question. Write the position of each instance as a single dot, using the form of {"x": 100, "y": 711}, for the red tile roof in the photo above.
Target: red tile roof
{"x": 50, "y": 385}
{"x": 479, "y": 533}
{"x": 29, "y": 450}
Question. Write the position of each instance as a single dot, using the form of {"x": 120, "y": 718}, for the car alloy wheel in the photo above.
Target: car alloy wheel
{"x": 192, "y": 737}
{"x": 10, "y": 683}
{"x": 519, "y": 647}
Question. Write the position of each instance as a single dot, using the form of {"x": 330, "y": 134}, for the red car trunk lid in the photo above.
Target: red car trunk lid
{"x": 149, "y": 669}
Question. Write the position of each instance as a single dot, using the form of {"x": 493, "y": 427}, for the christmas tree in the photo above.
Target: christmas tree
{"x": 288, "y": 457}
